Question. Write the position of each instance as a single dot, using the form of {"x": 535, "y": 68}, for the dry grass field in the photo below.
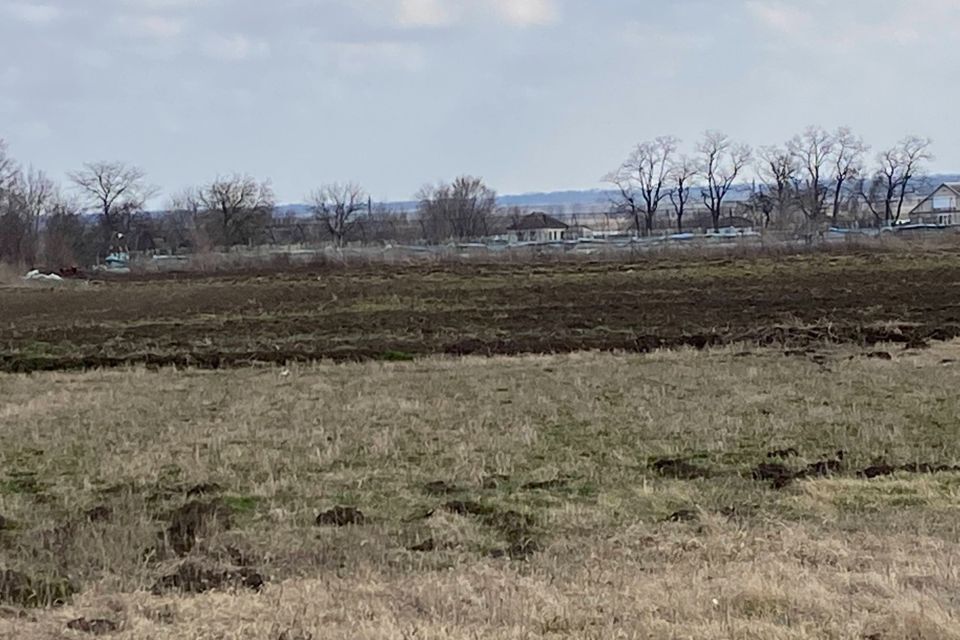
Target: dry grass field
{"x": 732, "y": 492}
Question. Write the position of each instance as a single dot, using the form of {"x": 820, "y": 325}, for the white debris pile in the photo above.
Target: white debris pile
{"x": 42, "y": 277}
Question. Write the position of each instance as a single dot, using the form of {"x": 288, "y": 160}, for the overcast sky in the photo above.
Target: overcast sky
{"x": 529, "y": 94}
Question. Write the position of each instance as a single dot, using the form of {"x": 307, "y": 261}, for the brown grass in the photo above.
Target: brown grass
{"x": 833, "y": 557}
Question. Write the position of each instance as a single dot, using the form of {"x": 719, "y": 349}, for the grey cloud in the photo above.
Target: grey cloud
{"x": 314, "y": 90}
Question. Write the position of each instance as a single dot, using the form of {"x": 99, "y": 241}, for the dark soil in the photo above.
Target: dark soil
{"x": 779, "y": 475}
{"x": 440, "y": 488}
{"x": 467, "y": 508}
{"x": 486, "y": 309}
{"x": 928, "y": 468}
{"x": 424, "y": 547}
{"x": 193, "y": 577}
{"x": 789, "y": 452}
{"x": 100, "y": 513}
{"x": 203, "y": 489}
{"x": 679, "y": 469}
{"x": 683, "y": 515}
{"x": 877, "y": 470}
{"x": 823, "y": 468}
{"x": 880, "y": 469}
{"x": 341, "y": 517}
{"x": 494, "y": 481}
{"x": 546, "y": 485}
{"x": 97, "y": 627}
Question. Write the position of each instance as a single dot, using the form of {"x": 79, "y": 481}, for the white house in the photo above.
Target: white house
{"x": 940, "y": 207}
{"x": 537, "y": 227}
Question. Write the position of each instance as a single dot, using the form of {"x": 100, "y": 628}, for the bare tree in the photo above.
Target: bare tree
{"x": 682, "y": 175}
{"x": 116, "y": 190}
{"x": 241, "y": 207}
{"x": 849, "y": 150}
{"x": 812, "y": 153}
{"x": 40, "y": 193}
{"x": 36, "y": 194}
{"x": 626, "y": 200}
{"x": 460, "y": 210}
{"x": 646, "y": 175}
{"x": 383, "y": 225}
{"x": 337, "y": 206}
{"x": 892, "y": 181}
{"x": 13, "y": 226}
{"x": 9, "y": 168}
{"x": 721, "y": 161}
{"x": 777, "y": 171}
{"x": 68, "y": 241}
{"x": 25, "y": 196}
{"x": 183, "y": 225}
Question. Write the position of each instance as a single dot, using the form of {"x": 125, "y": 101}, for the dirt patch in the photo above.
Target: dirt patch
{"x": 789, "y": 452}
{"x": 584, "y": 303}
{"x": 196, "y": 520}
{"x": 426, "y": 546}
{"x": 194, "y": 577}
{"x": 683, "y": 515}
{"x": 20, "y": 590}
{"x": 97, "y": 627}
{"x": 880, "y": 469}
{"x": 467, "y": 508}
{"x": 778, "y": 474}
{"x": 546, "y": 485}
{"x": 928, "y": 468}
{"x": 100, "y": 513}
{"x": 823, "y": 468}
{"x": 204, "y": 488}
{"x": 679, "y": 469}
{"x": 341, "y": 517}
{"x": 440, "y": 488}
{"x": 494, "y": 481}
{"x": 877, "y": 470}
{"x": 5, "y": 524}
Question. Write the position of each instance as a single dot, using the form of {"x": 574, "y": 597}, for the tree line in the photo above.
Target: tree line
{"x": 102, "y": 208}
{"x": 806, "y": 182}
{"x": 814, "y": 178}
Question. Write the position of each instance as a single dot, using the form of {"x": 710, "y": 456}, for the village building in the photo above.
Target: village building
{"x": 536, "y": 227}
{"x": 942, "y": 207}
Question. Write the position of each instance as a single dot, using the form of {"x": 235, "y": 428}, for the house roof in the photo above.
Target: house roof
{"x": 952, "y": 186}
{"x": 537, "y": 221}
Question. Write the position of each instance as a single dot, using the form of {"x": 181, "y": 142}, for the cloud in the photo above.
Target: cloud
{"x": 363, "y": 57}
{"x": 234, "y": 48}
{"x": 851, "y": 28}
{"x": 162, "y": 5}
{"x": 446, "y": 13}
{"x": 524, "y": 13}
{"x": 32, "y": 13}
{"x": 778, "y": 16}
{"x": 424, "y": 13}
{"x": 151, "y": 26}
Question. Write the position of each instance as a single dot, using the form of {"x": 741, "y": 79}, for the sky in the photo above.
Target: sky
{"x": 531, "y": 95}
